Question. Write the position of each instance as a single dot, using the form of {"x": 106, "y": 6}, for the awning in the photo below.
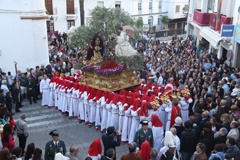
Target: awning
{"x": 211, "y": 36}
{"x": 196, "y": 32}
{"x": 71, "y": 17}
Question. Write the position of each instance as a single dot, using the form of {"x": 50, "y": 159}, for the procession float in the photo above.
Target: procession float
{"x": 118, "y": 71}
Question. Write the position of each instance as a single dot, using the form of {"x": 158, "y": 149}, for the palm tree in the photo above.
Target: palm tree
{"x": 81, "y": 3}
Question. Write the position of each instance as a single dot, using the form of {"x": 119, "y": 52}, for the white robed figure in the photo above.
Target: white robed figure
{"x": 127, "y": 120}
{"x": 135, "y": 120}
{"x": 52, "y": 93}
{"x": 185, "y": 108}
{"x": 157, "y": 129}
{"x": 123, "y": 48}
{"x": 81, "y": 106}
{"x": 98, "y": 109}
{"x": 104, "y": 116}
{"x": 45, "y": 90}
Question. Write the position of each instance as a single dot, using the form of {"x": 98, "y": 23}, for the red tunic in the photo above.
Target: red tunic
{"x": 176, "y": 111}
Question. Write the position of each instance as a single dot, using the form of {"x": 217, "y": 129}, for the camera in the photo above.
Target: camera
{"x": 115, "y": 132}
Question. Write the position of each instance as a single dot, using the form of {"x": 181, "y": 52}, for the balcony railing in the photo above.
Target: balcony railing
{"x": 202, "y": 19}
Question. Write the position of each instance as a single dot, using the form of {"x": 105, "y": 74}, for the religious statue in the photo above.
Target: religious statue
{"x": 123, "y": 48}
{"x": 96, "y": 50}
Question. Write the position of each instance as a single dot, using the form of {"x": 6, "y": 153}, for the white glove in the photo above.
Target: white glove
{"x": 138, "y": 109}
{"x": 131, "y": 106}
{"x": 119, "y": 103}
{"x": 125, "y": 105}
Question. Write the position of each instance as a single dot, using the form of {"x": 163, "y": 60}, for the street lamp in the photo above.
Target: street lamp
{"x": 51, "y": 19}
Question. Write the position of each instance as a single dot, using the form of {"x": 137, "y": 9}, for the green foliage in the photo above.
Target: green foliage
{"x": 103, "y": 19}
{"x": 165, "y": 19}
{"x": 139, "y": 23}
{"x": 134, "y": 62}
{"x": 81, "y": 36}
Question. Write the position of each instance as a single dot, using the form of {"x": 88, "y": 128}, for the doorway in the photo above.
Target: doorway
{"x": 224, "y": 54}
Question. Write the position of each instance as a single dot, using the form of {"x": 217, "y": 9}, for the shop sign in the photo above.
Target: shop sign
{"x": 227, "y": 30}
{"x": 237, "y": 34}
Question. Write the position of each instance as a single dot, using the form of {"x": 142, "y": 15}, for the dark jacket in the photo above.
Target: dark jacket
{"x": 30, "y": 84}
{"x": 23, "y": 81}
{"x": 227, "y": 126}
{"x": 140, "y": 137}
{"x": 188, "y": 140}
{"x": 198, "y": 119}
{"x": 9, "y": 101}
{"x": 180, "y": 129}
{"x": 109, "y": 142}
{"x": 2, "y": 99}
{"x": 219, "y": 140}
{"x": 51, "y": 150}
{"x": 15, "y": 92}
{"x": 202, "y": 123}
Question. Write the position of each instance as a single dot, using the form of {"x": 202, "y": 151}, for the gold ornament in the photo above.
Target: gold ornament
{"x": 155, "y": 103}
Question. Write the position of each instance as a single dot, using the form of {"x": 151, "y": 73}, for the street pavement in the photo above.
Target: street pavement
{"x": 42, "y": 120}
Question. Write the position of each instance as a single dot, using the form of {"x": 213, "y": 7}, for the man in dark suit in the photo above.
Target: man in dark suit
{"x": 30, "y": 83}
{"x": 197, "y": 114}
{"x": 204, "y": 120}
{"x": 108, "y": 140}
{"x": 222, "y": 136}
{"x": 2, "y": 98}
{"x": 131, "y": 155}
{"x": 35, "y": 78}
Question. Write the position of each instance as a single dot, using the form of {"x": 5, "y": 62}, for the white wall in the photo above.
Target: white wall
{"x": 24, "y": 41}
{"x": 126, "y": 5}
{"x": 60, "y": 24}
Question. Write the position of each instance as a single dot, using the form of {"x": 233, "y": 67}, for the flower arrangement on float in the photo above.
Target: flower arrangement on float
{"x": 88, "y": 68}
{"x": 110, "y": 68}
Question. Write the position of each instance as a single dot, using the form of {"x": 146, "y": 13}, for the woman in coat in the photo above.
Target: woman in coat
{"x": 200, "y": 154}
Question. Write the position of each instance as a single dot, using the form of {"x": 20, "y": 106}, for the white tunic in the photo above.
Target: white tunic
{"x": 168, "y": 110}
{"x": 134, "y": 126}
{"x": 56, "y": 95}
{"x": 74, "y": 103}
{"x": 104, "y": 114}
{"x": 86, "y": 107}
{"x": 81, "y": 106}
{"x": 162, "y": 115}
{"x": 52, "y": 94}
{"x": 115, "y": 116}
{"x": 109, "y": 116}
{"x": 92, "y": 110}
{"x": 157, "y": 137}
{"x": 98, "y": 157}
{"x": 45, "y": 90}
{"x": 185, "y": 109}
{"x": 99, "y": 109}
{"x": 121, "y": 117}
{"x": 126, "y": 124}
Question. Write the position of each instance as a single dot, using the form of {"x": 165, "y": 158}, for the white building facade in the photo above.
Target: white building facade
{"x": 63, "y": 14}
{"x": 23, "y": 34}
{"x": 208, "y": 35}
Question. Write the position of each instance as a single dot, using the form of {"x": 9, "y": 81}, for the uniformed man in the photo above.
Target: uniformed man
{"x": 54, "y": 146}
{"x": 144, "y": 134}
{"x": 170, "y": 154}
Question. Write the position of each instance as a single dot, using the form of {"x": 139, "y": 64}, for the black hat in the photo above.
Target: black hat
{"x": 54, "y": 133}
{"x": 144, "y": 122}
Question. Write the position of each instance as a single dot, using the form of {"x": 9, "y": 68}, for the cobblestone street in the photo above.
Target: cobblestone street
{"x": 41, "y": 120}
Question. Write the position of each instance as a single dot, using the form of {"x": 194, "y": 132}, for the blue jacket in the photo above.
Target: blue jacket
{"x": 219, "y": 155}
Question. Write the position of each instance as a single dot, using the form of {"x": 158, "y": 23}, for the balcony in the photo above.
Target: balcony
{"x": 72, "y": 14}
{"x": 202, "y": 19}
{"x": 223, "y": 20}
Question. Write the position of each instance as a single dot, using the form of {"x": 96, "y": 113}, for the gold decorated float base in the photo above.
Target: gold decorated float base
{"x": 112, "y": 83}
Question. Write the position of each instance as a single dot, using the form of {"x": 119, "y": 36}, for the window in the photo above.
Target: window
{"x": 139, "y": 7}
{"x": 160, "y": 6}
{"x": 177, "y": 8}
{"x": 150, "y": 6}
{"x": 150, "y": 22}
{"x": 211, "y": 5}
{"x": 118, "y": 4}
{"x": 159, "y": 22}
{"x": 50, "y": 26}
{"x": 186, "y": 8}
{"x": 70, "y": 23}
{"x": 100, "y": 3}
{"x": 49, "y": 6}
{"x": 70, "y": 6}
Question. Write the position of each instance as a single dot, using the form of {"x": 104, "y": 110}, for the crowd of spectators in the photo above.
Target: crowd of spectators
{"x": 213, "y": 128}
